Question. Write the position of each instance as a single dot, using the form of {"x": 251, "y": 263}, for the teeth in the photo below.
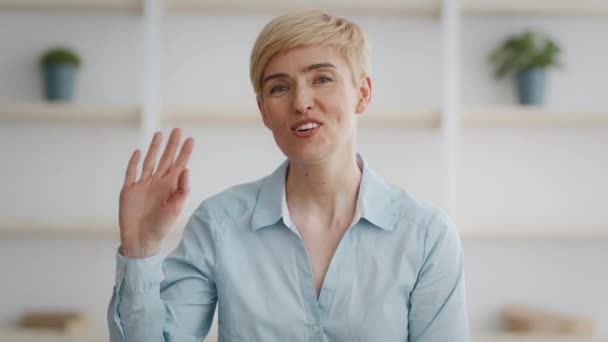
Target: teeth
{"x": 309, "y": 125}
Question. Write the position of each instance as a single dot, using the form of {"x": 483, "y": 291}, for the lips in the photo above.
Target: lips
{"x": 306, "y": 134}
{"x": 304, "y": 122}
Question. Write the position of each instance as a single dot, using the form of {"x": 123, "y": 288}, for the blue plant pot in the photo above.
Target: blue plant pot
{"x": 59, "y": 81}
{"x": 531, "y": 86}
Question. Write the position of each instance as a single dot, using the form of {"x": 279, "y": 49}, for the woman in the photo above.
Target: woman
{"x": 320, "y": 250}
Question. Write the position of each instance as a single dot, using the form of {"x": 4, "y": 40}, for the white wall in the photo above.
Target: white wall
{"x": 68, "y": 172}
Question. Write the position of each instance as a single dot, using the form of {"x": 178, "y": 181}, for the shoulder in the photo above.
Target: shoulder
{"x": 236, "y": 201}
{"x": 426, "y": 225}
{"x": 221, "y": 212}
{"x": 412, "y": 210}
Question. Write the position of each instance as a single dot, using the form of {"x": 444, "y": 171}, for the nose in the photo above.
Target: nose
{"x": 303, "y": 100}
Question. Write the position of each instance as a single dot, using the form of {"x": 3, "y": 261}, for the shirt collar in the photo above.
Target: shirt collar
{"x": 267, "y": 209}
{"x": 374, "y": 202}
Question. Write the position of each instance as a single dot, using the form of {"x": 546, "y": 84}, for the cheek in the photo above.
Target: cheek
{"x": 273, "y": 109}
{"x": 343, "y": 104}
{"x": 347, "y": 93}
{"x": 277, "y": 120}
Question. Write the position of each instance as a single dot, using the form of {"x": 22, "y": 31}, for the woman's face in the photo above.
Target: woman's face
{"x": 309, "y": 101}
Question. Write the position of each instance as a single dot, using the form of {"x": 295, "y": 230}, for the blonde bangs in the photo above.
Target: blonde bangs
{"x": 304, "y": 28}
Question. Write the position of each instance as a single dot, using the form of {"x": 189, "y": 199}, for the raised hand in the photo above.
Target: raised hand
{"x": 150, "y": 205}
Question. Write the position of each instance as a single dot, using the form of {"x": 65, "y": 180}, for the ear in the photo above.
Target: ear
{"x": 262, "y": 112}
{"x": 365, "y": 95}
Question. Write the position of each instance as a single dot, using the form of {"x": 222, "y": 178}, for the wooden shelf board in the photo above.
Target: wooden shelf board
{"x": 415, "y": 119}
{"x": 22, "y": 335}
{"x": 505, "y": 117}
{"x": 94, "y": 228}
{"x": 48, "y": 335}
{"x": 76, "y": 113}
{"x": 533, "y": 117}
{"x": 531, "y": 337}
{"x": 409, "y": 119}
{"x": 71, "y": 5}
{"x": 196, "y": 116}
{"x": 417, "y": 7}
{"x": 426, "y": 7}
{"x": 88, "y": 228}
{"x": 40, "y": 228}
{"x": 535, "y": 7}
{"x": 533, "y": 232}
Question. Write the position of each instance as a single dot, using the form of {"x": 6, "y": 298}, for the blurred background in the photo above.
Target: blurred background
{"x": 520, "y": 161}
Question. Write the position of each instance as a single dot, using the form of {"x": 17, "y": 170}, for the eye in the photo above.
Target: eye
{"x": 277, "y": 89}
{"x": 323, "y": 79}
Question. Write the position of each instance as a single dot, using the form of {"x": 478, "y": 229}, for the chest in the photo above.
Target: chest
{"x": 320, "y": 245}
{"x": 266, "y": 284}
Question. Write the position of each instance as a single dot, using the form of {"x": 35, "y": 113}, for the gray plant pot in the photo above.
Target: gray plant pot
{"x": 59, "y": 81}
{"x": 531, "y": 84}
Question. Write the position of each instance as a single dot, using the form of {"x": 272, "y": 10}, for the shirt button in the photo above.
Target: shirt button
{"x": 316, "y": 328}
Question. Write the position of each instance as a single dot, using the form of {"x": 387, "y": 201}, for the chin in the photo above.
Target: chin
{"x": 305, "y": 155}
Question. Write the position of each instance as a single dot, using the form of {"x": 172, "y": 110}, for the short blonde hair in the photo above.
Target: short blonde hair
{"x": 309, "y": 27}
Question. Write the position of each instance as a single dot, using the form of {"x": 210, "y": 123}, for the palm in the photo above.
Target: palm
{"x": 150, "y": 206}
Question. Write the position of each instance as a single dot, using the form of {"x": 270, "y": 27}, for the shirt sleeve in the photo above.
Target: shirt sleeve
{"x": 179, "y": 307}
{"x": 438, "y": 309}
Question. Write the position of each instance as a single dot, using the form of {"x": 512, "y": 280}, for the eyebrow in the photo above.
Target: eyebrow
{"x": 305, "y": 70}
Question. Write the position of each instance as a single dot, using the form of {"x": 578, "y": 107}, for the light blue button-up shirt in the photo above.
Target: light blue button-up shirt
{"x": 397, "y": 274}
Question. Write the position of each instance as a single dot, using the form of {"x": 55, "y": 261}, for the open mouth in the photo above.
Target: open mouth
{"x": 307, "y": 127}
{"x": 306, "y": 130}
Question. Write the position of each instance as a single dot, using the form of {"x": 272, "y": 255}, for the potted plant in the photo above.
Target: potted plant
{"x": 527, "y": 55}
{"x": 59, "y": 69}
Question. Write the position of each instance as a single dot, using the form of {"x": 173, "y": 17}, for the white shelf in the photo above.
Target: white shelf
{"x": 88, "y": 228}
{"x": 29, "y": 335}
{"x": 491, "y": 117}
{"x": 517, "y": 231}
{"x": 76, "y": 229}
{"x": 198, "y": 116}
{"x": 407, "y": 119}
{"x": 45, "y": 335}
{"x": 506, "y": 117}
{"x": 74, "y": 113}
{"x": 419, "y": 7}
{"x": 532, "y": 232}
{"x": 71, "y": 5}
{"x": 426, "y": 7}
{"x": 533, "y": 117}
{"x": 511, "y": 337}
{"x": 414, "y": 119}
{"x": 535, "y": 7}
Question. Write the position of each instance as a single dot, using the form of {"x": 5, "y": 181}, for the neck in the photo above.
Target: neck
{"x": 327, "y": 190}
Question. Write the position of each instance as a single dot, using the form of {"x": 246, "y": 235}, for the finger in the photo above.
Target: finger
{"x": 150, "y": 160}
{"x": 184, "y": 155}
{"x": 183, "y": 184}
{"x": 132, "y": 169}
{"x": 179, "y": 197}
{"x": 167, "y": 159}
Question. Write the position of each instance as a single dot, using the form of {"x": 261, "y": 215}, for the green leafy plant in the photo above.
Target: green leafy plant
{"x": 60, "y": 55}
{"x": 527, "y": 50}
